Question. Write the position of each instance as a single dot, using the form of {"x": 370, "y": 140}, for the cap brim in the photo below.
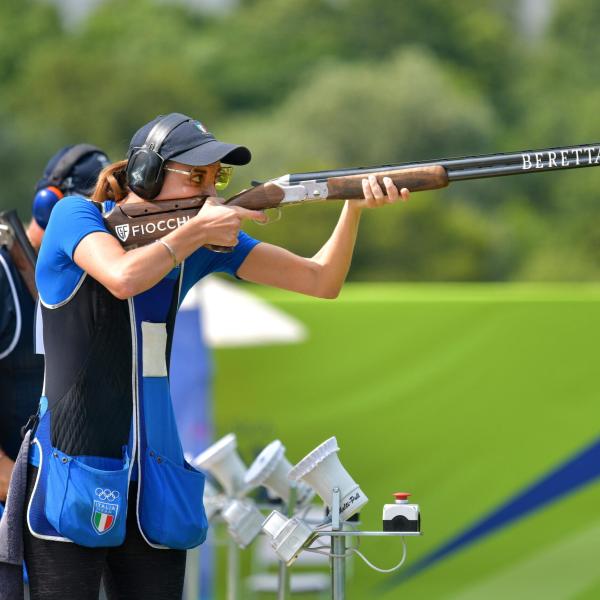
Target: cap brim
{"x": 214, "y": 151}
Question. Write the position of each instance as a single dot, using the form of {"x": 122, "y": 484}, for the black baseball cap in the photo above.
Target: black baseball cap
{"x": 74, "y": 169}
{"x": 190, "y": 143}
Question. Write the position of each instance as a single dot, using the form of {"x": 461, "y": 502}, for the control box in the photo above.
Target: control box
{"x": 401, "y": 516}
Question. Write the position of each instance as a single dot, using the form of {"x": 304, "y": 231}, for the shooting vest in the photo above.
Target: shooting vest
{"x": 106, "y": 418}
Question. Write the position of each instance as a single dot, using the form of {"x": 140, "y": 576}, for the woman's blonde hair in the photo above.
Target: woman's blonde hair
{"x": 112, "y": 183}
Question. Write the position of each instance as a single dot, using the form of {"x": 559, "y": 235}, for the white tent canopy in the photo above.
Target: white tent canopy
{"x": 233, "y": 317}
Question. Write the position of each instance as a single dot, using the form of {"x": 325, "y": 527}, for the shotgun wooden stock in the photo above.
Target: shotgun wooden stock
{"x": 139, "y": 223}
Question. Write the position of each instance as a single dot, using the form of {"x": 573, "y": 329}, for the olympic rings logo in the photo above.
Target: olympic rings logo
{"x": 110, "y": 495}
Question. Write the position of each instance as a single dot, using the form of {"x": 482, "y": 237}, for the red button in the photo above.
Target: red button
{"x": 402, "y": 495}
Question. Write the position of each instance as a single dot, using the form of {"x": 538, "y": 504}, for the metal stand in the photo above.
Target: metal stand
{"x": 338, "y": 567}
{"x": 338, "y": 546}
{"x": 283, "y": 582}
{"x": 233, "y": 570}
{"x": 337, "y": 554}
{"x": 191, "y": 588}
{"x": 338, "y": 551}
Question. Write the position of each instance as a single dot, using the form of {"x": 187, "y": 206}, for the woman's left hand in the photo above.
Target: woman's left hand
{"x": 376, "y": 197}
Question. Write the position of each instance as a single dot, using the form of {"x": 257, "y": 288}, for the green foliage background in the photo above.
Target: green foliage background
{"x": 315, "y": 84}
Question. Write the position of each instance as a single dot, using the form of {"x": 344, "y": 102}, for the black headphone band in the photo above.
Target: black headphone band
{"x": 145, "y": 164}
{"x": 68, "y": 160}
{"x": 158, "y": 134}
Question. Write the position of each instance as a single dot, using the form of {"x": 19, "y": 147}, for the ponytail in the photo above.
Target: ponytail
{"x": 111, "y": 184}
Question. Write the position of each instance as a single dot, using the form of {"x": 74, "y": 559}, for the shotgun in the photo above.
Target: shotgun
{"x": 140, "y": 223}
{"x": 14, "y": 238}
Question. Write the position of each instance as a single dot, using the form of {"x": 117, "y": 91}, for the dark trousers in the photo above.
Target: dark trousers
{"x": 132, "y": 571}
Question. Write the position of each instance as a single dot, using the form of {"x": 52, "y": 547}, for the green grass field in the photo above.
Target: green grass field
{"x": 460, "y": 394}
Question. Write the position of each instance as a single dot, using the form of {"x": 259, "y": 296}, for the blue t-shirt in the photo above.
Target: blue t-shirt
{"x": 57, "y": 276}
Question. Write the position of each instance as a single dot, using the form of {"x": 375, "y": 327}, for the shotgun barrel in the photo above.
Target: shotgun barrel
{"x": 485, "y": 165}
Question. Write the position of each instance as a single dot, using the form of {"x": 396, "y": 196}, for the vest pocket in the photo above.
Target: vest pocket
{"x": 171, "y": 508}
{"x": 85, "y": 504}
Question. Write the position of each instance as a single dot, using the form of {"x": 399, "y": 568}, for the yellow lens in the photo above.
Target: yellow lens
{"x": 223, "y": 178}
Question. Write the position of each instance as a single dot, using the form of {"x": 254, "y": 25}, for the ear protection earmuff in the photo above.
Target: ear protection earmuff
{"x": 145, "y": 166}
{"x": 54, "y": 184}
{"x": 43, "y": 203}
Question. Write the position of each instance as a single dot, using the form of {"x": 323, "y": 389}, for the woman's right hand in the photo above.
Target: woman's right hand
{"x": 221, "y": 224}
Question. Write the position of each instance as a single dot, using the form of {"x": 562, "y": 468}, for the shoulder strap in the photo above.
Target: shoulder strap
{"x": 68, "y": 160}
{"x": 12, "y": 292}
{"x": 162, "y": 129}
